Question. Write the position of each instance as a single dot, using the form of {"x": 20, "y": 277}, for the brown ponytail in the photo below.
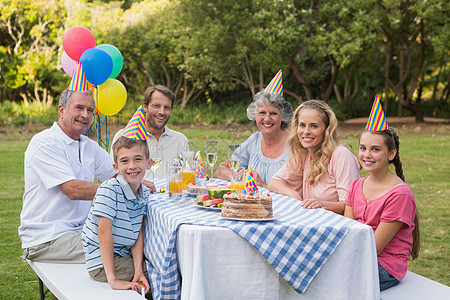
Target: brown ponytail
{"x": 392, "y": 142}
{"x": 416, "y": 237}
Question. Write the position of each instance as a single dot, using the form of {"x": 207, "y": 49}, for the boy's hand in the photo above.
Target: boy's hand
{"x": 124, "y": 285}
{"x": 139, "y": 278}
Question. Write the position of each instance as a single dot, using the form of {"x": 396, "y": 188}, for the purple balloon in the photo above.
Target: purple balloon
{"x": 97, "y": 65}
{"x": 68, "y": 64}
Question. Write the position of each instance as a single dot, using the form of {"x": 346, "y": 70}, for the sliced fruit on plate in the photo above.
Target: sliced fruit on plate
{"x": 202, "y": 198}
{"x": 216, "y": 194}
{"x": 210, "y": 202}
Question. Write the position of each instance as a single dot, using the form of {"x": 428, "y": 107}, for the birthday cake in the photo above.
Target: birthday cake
{"x": 247, "y": 206}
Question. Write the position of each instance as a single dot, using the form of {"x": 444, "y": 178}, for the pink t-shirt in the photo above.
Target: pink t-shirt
{"x": 343, "y": 169}
{"x": 396, "y": 205}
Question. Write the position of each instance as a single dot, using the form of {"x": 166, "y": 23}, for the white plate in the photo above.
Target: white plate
{"x": 208, "y": 207}
{"x": 254, "y": 220}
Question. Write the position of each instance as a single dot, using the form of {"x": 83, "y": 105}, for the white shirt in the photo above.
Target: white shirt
{"x": 170, "y": 140}
{"x": 52, "y": 158}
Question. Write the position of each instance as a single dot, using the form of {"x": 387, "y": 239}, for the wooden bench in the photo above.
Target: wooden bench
{"x": 414, "y": 286}
{"x": 72, "y": 281}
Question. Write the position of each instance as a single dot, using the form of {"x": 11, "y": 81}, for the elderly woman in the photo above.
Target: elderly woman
{"x": 266, "y": 150}
{"x": 319, "y": 170}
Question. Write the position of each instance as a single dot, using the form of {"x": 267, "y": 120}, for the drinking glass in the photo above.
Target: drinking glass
{"x": 211, "y": 149}
{"x": 175, "y": 180}
{"x": 188, "y": 169}
{"x": 233, "y": 160}
{"x": 156, "y": 154}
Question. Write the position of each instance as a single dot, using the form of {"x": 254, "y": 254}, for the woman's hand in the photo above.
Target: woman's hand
{"x": 311, "y": 203}
{"x": 151, "y": 187}
{"x": 281, "y": 187}
{"x": 259, "y": 181}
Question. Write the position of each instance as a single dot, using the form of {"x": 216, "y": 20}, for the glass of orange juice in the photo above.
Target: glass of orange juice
{"x": 175, "y": 180}
{"x": 237, "y": 185}
{"x": 188, "y": 169}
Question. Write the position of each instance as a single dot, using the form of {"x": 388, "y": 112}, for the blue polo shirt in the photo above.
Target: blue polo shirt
{"x": 116, "y": 201}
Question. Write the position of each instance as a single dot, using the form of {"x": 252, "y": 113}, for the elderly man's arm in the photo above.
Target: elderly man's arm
{"x": 79, "y": 189}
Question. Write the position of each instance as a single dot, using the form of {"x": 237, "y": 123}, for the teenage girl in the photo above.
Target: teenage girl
{"x": 384, "y": 201}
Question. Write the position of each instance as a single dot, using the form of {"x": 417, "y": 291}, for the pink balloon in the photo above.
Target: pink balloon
{"x": 68, "y": 64}
{"x": 76, "y": 40}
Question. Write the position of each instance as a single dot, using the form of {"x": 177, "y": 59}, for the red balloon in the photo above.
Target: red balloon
{"x": 76, "y": 40}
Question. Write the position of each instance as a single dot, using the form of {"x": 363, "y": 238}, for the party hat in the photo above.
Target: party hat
{"x": 79, "y": 82}
{"x": 377, "y": 120}
{"x": 249, "y": 182}
{"x": 276, "y": 85}
{"x": 199, "y": 168}
{"x": 135, "y": 129}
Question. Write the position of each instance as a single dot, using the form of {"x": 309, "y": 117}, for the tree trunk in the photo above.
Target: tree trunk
{"x": 337, "y": 93}
{"x": 248, "y": 75}
{"x": 334, "y": 74}
{"x": 356, "y": 86}
{"x": 298, "y": 75}
{"x": 292, "y": 94}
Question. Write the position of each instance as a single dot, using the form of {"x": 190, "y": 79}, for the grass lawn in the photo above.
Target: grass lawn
{"x": 423, "y": 151}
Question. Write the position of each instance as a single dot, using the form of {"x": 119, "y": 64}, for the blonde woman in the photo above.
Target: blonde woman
{"x": 319, "y": 171}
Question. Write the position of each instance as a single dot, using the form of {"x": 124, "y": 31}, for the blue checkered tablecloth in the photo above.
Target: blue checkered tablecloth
{"x": 297, "y": 243}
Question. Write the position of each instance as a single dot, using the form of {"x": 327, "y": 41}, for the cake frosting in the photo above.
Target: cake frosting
{"x": 247, "y": 206}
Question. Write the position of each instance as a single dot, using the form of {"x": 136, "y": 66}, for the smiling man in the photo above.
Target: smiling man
{"x": 61, "y": 165}
{"x": 158, "y": 104}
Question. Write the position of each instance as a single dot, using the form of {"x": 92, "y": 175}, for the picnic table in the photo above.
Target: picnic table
{"x": 194, "y": 253}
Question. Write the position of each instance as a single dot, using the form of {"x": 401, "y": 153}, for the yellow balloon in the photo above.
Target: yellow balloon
{"x": 112, "y": 96}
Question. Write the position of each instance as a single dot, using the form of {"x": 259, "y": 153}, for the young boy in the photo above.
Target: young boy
{"x": 112, "y": 235}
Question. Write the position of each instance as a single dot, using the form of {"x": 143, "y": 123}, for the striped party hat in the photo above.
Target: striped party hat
{"x": 377, "y": 120}
{"x": 135, "y": 129}
{"x": 249, "y": 183}
{"x": 276, "y": 85}
{"x": 79, "y": 82}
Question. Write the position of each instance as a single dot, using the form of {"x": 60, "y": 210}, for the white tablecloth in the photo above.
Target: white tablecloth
{"x": 216, "y": 263}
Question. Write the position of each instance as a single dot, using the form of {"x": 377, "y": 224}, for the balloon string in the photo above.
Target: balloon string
{"x": 90, "y": 127}
{"x": 107, "y": 133}
{"x": 101, "y": 142}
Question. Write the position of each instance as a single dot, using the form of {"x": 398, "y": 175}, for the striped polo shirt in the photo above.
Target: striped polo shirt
{"x": 116, "y": 201}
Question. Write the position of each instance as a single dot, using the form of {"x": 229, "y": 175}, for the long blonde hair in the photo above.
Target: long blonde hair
{"x": 319, "y": 162}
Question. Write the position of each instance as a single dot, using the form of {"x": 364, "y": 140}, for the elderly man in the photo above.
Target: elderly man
{"x": 158, "y": 104}
{"x": 60, "y": 167}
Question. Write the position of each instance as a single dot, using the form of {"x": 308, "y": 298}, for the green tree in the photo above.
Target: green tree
{"x": 29, "y": 31}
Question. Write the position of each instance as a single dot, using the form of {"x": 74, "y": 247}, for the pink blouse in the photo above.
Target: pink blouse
{"x": 343, "y": 169}
{"x": 396, "y": 205}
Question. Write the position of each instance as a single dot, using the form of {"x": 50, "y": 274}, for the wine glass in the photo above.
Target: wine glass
{"x": 233, "y": 160}
{"x": 156, "y": 154}
{"x": 211, "y": 149}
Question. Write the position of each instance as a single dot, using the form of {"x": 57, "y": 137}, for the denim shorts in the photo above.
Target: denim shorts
{"x": 386, "y": 279}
